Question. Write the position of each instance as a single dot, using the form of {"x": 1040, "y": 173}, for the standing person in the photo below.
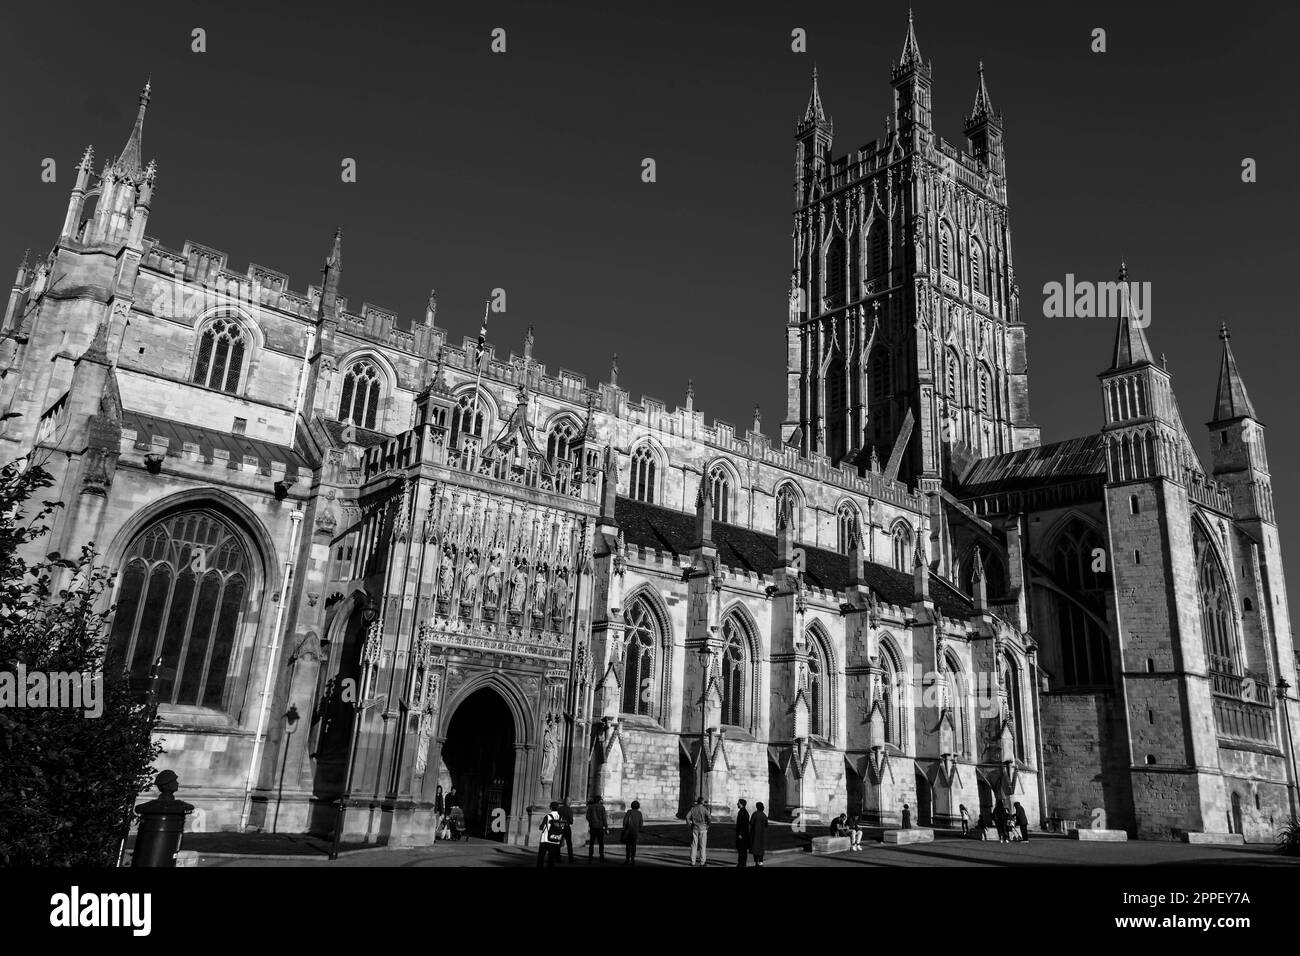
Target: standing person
{"x": 1000, "y": 821}
{"x": 699, "y": 820}
{"x": 742, "y": 834}
{"x": 758, "y": 833}
{"x": 907, "y": 817}
{"x": 1022, "y": 821}
{"x": 596, "y": 825}
{"x": 632, "y": 824}
{"x": 965, "y": 820}
{"x": 552, "y": 830}
{"x": 437, "y": 812}
{"x": 566, "y": 814}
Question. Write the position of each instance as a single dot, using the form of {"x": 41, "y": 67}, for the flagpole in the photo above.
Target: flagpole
{"x": 478, "y": 379}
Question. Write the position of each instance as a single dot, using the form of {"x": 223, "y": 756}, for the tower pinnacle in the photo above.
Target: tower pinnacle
{"x": 1230, "y": 400}
{"x": 1131, "y": 346}
{"x": 911, "y": 49}
{"x": 983, "y": 109}
{"x": 128, "y": 161}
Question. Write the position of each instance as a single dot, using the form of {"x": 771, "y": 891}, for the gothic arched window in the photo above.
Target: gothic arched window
{"x": 639, "y": 660}
{"x": 1217, "y": 618}
{"x": 846, "y": 526}
{"x": 735, "y": 669}
{"x": 946, "y": 261}
{"x": 958, "y": 701}
{"x": 562, "y": 443}
{"x": 876, "y": 250}
{"x": 1085, "y": 652}
{"x": 902, "y": 547}
{"x": 220, "y": 360}
{"x": 835, "y": 267}
{"x": 879, "y": 376}
{"x": 466, "y": 419}
{"x": 816, "y": 690}
{"x": 183, "y": 597}
{"x": 641, "y": 479}
{"x": 1011, "y": 682}
{"x": 952, "y": 375}
{"x": 977, "y": 266}
{"x": 894, "y": 699}
{"x": 984, "y": 389}
{"x": 787, "y": 504}
{"x": 362, "y": 388}
{"x": 720, "y": 491}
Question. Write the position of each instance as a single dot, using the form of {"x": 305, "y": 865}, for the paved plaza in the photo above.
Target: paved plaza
{"x": 1042, "y": 850}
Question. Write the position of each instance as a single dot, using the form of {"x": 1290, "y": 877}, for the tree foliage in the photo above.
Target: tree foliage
{"x": 67, "y": 779}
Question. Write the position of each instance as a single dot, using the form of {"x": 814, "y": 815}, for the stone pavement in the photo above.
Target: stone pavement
{"x": 1042, "y": 850}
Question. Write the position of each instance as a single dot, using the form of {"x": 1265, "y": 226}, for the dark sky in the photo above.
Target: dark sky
{"x": 522, "y": 170}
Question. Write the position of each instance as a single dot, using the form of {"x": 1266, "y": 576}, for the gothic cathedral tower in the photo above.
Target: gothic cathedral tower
{"x": 905, "y": 350}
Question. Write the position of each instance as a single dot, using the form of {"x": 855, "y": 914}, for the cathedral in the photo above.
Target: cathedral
{"x": 362, "y": 563}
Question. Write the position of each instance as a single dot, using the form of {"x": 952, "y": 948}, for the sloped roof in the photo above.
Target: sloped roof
{"x": 177, "y": 434}
{"x": 1231, "y": 400}
{"x": 1059, "y": 463}
{"x": 365, "y": 437}
{"x": 650, "y": 526}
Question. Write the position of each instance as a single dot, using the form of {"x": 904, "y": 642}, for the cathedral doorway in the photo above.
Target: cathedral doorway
{"x": 479, "y": 756}
{"x": 924, "y": 801}
{"x": 986, "y": 802}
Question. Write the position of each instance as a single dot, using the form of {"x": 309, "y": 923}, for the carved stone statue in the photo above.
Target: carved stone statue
{"x": 559, "y": 595}
{"x": 470, "y": 580}
{"x": 446, "y": 575}
{"x": 550, "y": 749}
{"x": 518, "y": 588}
{"x": 492, "y": 586}
{"x": 539, "y": 592}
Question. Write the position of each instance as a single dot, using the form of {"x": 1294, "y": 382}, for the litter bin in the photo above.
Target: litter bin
{"x": 162, "y": 822}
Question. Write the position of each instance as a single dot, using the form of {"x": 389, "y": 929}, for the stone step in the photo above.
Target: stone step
{"x": 1099, "y": 836}
{"x": 831, "y": 844}
{"x": 1225, "y": 839}
{"x": 911, "y": 835}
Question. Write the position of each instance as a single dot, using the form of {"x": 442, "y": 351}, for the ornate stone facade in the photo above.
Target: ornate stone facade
{"x": 375, "y": 562}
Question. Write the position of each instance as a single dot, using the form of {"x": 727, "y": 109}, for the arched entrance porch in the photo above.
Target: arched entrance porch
{"x": 485, "y": 755}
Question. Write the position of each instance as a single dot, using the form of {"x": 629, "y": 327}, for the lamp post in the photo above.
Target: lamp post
{"x": 1282, "y": 688}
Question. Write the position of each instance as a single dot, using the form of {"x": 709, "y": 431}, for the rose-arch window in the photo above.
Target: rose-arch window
{"x": 184, "y": 594}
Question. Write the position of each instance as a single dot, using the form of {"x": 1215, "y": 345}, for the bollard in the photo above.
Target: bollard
{"x": 162, "y": 822}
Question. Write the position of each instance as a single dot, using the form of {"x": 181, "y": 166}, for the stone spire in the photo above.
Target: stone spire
{"x": 983, "y": 109}
{"x": 978, "y": 582}
{"x": 1131, "y": 346}
{"x": 609, "y": 496}
{"x": 815, "y": 113}
{"x": 920, "y": 571}
{"x": 333, "y": 269}
{"x": 911, "y": 57}
{"x": 1231, "y": 400}
{"x": 704, "y": 513}
{"x": 128, "y": 161}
